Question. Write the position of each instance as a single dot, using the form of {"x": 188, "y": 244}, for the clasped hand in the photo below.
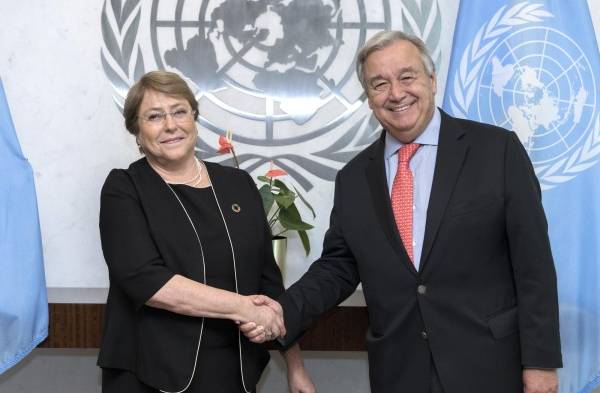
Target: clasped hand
{"x": 266, "y": 323}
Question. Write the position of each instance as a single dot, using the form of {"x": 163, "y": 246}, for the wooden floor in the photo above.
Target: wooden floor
{"x": 80, "y": 326}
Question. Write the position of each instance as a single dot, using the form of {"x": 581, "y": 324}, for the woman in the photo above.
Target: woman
{"x": 186, "y": 244}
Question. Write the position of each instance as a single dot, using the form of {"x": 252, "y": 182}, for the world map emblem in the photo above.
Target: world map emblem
{"x": 521, "y": 74}
{"x": 278, "y": 73}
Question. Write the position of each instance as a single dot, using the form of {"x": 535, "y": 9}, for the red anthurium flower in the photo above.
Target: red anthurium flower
{"x": 274, "y": 172}
{"x": 225, "y": 145}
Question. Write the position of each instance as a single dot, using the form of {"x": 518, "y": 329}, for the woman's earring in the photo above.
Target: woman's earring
{"x": 139, "y": 145}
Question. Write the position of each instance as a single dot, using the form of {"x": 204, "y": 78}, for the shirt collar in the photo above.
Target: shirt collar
{"x": 429, "y": 136}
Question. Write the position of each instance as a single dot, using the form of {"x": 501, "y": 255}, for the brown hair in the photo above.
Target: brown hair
{"x": 162, "y": 81}
{"x": 382, "y": 40}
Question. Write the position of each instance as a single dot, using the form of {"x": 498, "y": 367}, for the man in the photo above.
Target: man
{"x": 450, "y": 244}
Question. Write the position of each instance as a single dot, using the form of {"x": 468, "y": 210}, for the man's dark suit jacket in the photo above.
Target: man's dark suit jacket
{"x": 146, "y": 239}
{"x": 484, "y": 303}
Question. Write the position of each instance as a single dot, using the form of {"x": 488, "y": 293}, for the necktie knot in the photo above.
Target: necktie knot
{"x": 407, "y": 151}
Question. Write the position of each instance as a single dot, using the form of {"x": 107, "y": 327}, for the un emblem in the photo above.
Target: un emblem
{"x": 278, "y": 73}
{"x": 534, "y": 79}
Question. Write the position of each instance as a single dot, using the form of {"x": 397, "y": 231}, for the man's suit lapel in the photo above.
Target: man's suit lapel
{"x": 375, "y": 172}
{"x": 452, "y": 150}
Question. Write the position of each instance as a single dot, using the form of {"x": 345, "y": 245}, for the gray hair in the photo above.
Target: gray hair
{"x": 382, "y": 40}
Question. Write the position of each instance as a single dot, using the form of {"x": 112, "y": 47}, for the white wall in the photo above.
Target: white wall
{"x": 72, "y": 132}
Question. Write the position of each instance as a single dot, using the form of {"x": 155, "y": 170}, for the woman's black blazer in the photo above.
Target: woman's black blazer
{"x": 146, "y": 239}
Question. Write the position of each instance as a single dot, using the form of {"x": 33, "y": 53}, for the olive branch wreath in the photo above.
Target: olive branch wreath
{"x": 424, "y": 21}
{"x": 583, "y": 158}
{"x": 119, "y": 30}
{"x": 465, "y": 85}
{"x": 120, "y": 23}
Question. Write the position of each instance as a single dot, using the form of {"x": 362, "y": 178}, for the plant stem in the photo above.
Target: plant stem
{"x": 237, "y": 164}
{"x": 273, "y": 218}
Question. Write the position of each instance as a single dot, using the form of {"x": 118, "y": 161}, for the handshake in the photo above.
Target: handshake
{"x": 264, "y": 320}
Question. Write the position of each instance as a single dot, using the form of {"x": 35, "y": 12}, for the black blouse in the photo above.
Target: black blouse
{"x": 202, "y": 207}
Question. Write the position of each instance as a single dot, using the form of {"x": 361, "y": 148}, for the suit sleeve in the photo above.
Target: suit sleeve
{"x": 328, "y": 281}
{"x": 531, "y": 257}
{"x": 134, "y": 263}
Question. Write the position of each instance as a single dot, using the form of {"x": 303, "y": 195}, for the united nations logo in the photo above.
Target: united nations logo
{"x": 523, "y": 75}
{"x": 279, "y": 73}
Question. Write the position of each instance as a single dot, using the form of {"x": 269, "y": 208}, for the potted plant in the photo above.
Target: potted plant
{"x": 279, "y": 203}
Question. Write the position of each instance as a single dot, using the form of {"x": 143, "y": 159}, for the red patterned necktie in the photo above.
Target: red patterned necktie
{"x": 402, "y": 197}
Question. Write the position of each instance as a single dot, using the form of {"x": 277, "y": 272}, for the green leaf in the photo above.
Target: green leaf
{"x": 305, "y": 241}
{"x": 264, "y": 179}
{"x": 280, "y": 184}
{"x": 290, "y": 219}
{"x": 267, "y": 198}
{"x": 306, "y": 203}
{"x": 285, "y": 200}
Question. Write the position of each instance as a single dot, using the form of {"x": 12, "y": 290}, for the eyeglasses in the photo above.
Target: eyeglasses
{"x": 178, "y": 116}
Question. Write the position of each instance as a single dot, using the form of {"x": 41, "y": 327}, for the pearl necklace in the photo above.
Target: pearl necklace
{"x": 197, "y": 179}
{"x": 193, "y": 182}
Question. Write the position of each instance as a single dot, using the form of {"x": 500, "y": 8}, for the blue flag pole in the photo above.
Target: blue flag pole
{"x": 532, "y": 67}
{"x": 23, "y": 301}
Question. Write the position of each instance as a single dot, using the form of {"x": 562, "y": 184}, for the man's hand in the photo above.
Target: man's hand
{"x": 299, "y": 381}
{"x": 267, "y": 322}
{"x": 262, "y": 300}
{"x": 537, "y": 380}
